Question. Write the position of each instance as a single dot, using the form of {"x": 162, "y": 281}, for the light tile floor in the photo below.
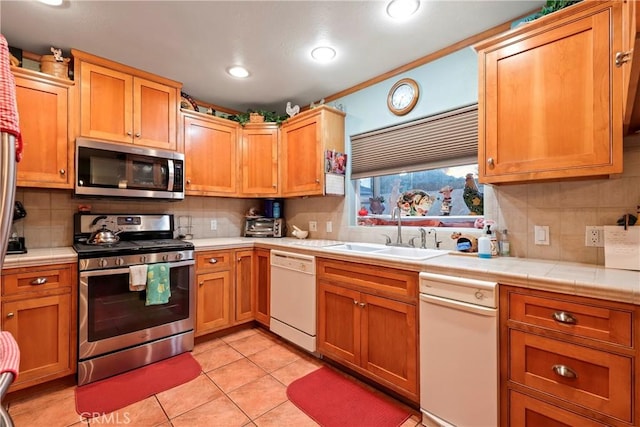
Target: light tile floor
{"x": 243, "y": 383}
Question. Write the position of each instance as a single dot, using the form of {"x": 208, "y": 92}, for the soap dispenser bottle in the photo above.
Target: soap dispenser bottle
{"x": 484, "y": 244}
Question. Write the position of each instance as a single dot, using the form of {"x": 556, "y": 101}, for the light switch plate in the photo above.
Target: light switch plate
{"x": 541, "y": 234}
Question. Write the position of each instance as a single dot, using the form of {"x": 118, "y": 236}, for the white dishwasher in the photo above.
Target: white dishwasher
{"x": 458, "y": 351}
{"x": 293, "y": 298}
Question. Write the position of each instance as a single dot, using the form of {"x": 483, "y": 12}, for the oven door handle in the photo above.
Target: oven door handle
{"x": 121, "y": 270}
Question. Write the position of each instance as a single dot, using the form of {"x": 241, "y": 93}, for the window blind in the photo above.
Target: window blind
{"x": 442, "y": 140}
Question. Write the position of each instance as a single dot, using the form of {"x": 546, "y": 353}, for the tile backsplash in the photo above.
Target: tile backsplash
{"x": 566, "y": 207}
{"x": 49, "y": 220}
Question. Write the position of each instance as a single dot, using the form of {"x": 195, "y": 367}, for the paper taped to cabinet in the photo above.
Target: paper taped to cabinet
{"x": 622, "y": 247}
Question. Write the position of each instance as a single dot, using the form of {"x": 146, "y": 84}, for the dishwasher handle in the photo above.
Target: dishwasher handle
{"x": 459, "y": 305}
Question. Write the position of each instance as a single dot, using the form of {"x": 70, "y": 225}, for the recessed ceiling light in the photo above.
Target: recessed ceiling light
{"x": 51, "y": 2}
{"x": 238, "y": 71}
{"x": 400, "y": 9}
{"x": 323, "y": 53}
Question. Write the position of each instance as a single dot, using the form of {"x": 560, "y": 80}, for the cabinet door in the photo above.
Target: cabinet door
{"x": 245, "y": 278}
{"x": 213, "y": 301}
{"x": 339, "y": 322}
{"x": 525, "y": 411}
{"x": 155, "y": 108}
{"x": 389, "y": 345}
{"x": 43, "y": 108}
{"x": 42, "y": 329}
{"x": 106, "y": 103}
{"x": 259, "y": 154}
{"x": 210, "y": 157}
{"x": 262, "y": 290}
{"x": 302, "y": 160}
{"x": 551, "y": 101}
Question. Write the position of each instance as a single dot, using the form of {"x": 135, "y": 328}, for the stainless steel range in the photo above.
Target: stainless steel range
{"x": 119, "y": 329}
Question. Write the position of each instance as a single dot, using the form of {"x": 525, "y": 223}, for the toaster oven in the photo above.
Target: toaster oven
{"x": 264, "y": 227}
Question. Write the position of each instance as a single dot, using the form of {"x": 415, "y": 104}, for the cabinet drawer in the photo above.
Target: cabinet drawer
{"x": 385, "y": 280}
{"x": 525, "y": 411}
{"x": 602, "y": 381}
{"x": 213, "y": 261}
{"x": 20, "y": 281}
{"x": 596, "y": 321}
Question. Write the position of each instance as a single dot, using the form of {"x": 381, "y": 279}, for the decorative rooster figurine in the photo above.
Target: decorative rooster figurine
{"x": 292, "y": 111}
{"x": 472, "y": 197}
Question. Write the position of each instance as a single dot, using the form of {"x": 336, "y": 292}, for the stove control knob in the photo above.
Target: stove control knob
{"x": 119, "y": 261}
{"x": 179, "y": 255}
{"x": 165, "y": 257}
{"x": 143, "y": 258}
{"x": 103, "y": 262}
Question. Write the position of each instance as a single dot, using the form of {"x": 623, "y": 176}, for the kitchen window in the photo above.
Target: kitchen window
{"x": 426, "y": 167}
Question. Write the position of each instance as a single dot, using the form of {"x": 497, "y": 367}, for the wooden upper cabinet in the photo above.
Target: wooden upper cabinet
{"x": 43, "y": 106}
{"x": 210, "y": 149}
{"x": 551, "y": 97}
{"x": 304, "y": 140}
{"x": 122, "y": 104}
{"x": 259, "y": 159}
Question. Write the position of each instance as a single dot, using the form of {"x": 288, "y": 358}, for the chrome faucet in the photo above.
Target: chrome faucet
{"x": 423, "y": 239}
{"x": 396, "y": 211}
{"x": 435, "y": 238}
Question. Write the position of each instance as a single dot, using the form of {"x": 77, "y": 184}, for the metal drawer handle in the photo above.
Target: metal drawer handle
{"x": 201, "y": 283}
{"x": 565, "y": 371}
{"x": 362, "y": 304}
{"x": 564, "y": 317}
{"x": 10, "y": 315}
{"x": 213, "y": 261}
{"x": 39, "y": 281}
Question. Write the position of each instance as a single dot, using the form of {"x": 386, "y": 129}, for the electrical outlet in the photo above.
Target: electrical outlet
{"x": 594, "y": 236}
{"x": 313, "y": 225}
{"x": 541, "y": 234}
{"x": 214, "y": 224}
{"x": 329, "y": 226}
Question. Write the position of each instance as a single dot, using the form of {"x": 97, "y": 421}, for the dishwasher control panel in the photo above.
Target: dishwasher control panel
{"x": 471, "y": 291}
{"x": 293, "y": 261}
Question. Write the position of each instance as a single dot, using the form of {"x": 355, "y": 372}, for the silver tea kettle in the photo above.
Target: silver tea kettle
{"x": 103, "y": 236}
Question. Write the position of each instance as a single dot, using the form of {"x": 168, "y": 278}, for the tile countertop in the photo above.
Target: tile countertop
{"x": 41, "y": 256}
{"x": 571, "y": 278}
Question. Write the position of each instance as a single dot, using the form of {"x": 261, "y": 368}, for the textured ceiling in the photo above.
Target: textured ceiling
{"x": 195, "y": 41}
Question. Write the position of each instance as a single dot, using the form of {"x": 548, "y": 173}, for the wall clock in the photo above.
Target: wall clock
{"x": 403, "y": 96}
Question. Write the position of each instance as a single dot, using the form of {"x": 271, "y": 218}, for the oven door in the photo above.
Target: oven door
{"x": 111, "y": 317}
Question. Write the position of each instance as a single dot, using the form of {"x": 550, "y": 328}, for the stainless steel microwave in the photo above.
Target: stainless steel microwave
{"x": 119, "y": 170}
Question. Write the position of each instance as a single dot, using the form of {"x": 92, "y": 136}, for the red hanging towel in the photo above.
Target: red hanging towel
{"x": 9, "y": 121}
{"x": 9, "y": 354}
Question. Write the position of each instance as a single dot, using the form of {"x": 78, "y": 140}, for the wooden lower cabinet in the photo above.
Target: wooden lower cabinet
{"x": 262, "y": 291}
{"x": 567, "y": 360}
{"x": 225, "y": 296}
{"x": 374, "y": 335}
{"x": 244, "y": 284}
{"x": 39, "y": 307}
{"x": 213, "y": 301}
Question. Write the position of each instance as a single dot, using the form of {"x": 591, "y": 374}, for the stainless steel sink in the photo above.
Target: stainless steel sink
{"x": 375, "y": 249}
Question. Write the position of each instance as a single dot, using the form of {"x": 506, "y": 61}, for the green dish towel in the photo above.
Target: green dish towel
{"x": 158, "y": 284}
